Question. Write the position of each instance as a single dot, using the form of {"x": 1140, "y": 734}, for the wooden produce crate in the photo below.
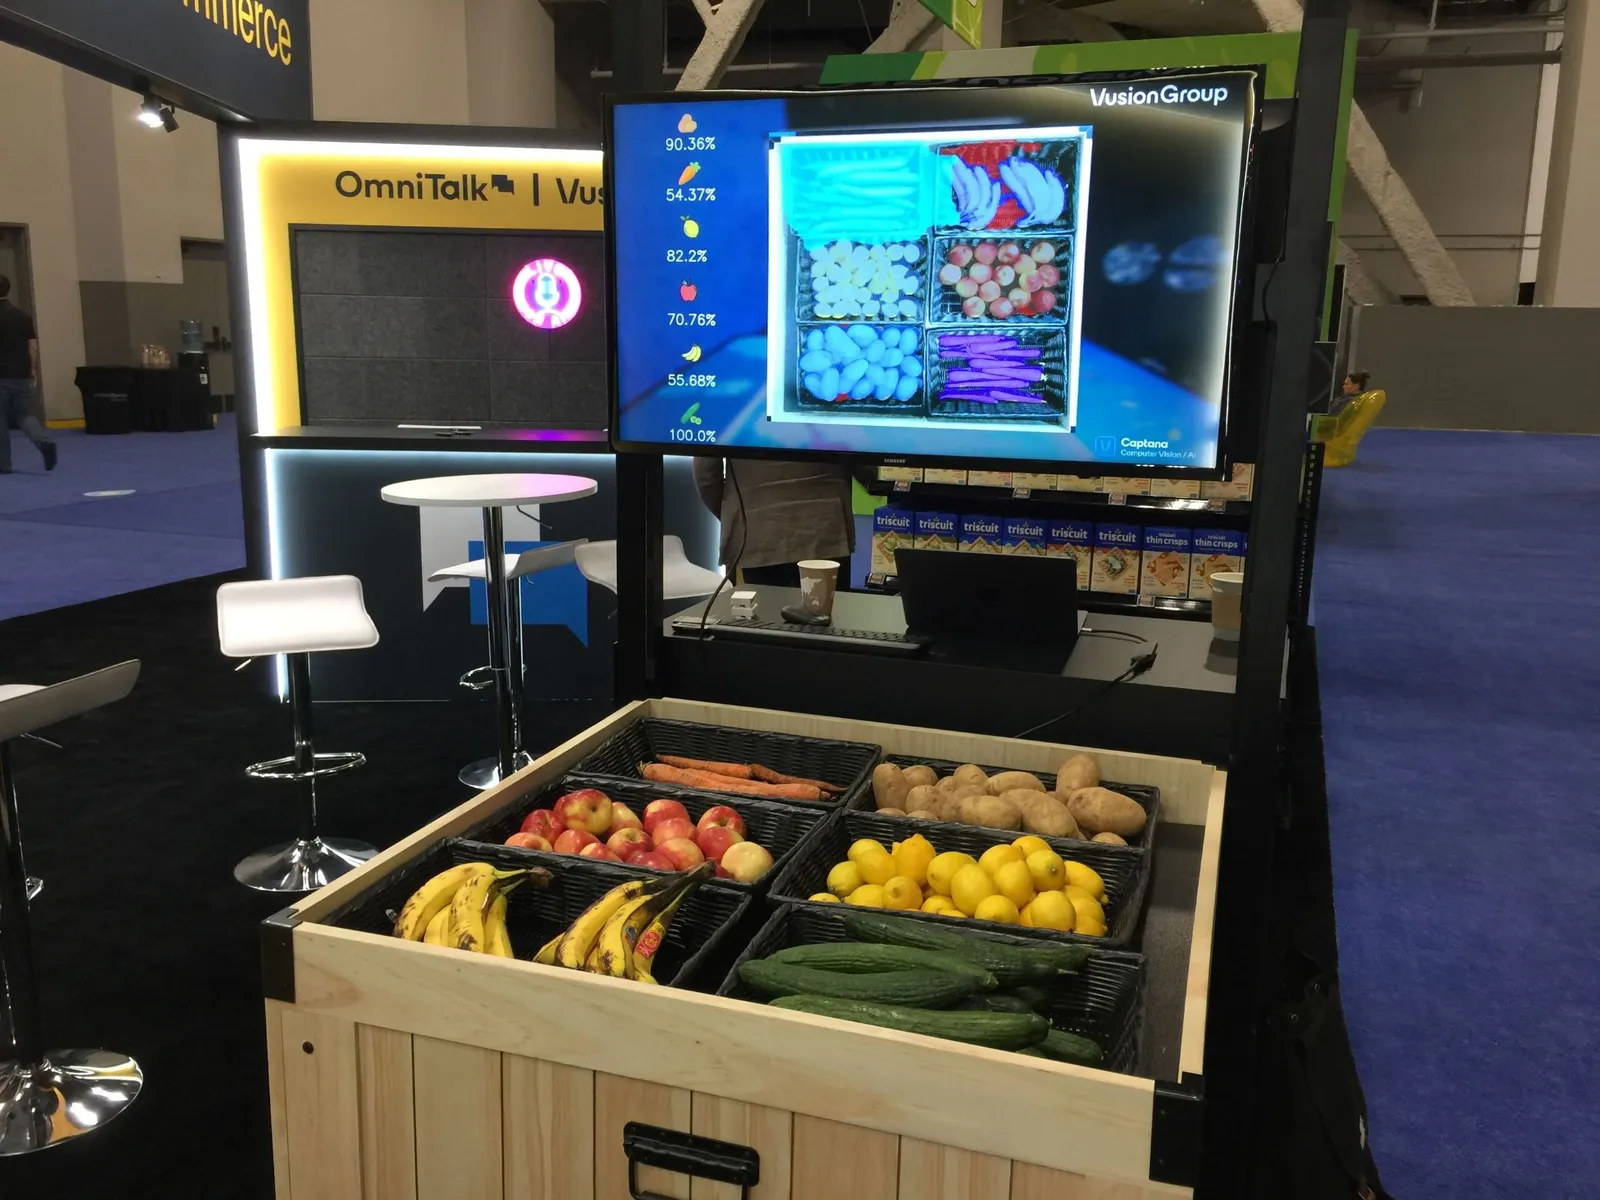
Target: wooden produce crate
{"x": 401, "y": 1071}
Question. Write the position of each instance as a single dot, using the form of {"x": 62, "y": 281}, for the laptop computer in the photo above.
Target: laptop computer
{"x": 1004, "y": 610}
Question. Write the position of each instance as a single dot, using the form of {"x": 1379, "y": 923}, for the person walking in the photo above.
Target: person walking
{"x": 775, "y": 513}
{"x": 19, "y": 373}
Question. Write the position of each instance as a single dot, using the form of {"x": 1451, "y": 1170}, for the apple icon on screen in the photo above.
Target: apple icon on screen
{"x": 688, "y": 291}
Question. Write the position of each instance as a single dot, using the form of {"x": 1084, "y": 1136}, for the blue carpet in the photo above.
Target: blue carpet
{"x": 1458, "y": 602}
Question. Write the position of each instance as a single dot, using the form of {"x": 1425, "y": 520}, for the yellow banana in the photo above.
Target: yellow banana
{"x": 615, "y": 947}
{"x": 467, "y": 909}
{"x": 437, "y": 893}
{"x": 649, "y": 942}
{"x": 435, "y": 934}
{"x": 580, "y": 938}
{"x": 496, "y": 940}
{"x": 547, "y": 953}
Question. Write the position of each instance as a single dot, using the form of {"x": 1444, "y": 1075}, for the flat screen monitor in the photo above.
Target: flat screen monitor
{"x": 1029, "y": 274}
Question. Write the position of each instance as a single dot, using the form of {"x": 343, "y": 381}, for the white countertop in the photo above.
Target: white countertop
{"x": 488, "y": 491}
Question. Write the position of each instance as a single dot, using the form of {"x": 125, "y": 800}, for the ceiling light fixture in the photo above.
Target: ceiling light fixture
{"x": 157, "y": 114}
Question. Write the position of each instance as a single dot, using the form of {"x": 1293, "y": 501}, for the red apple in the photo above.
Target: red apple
{"x": 600, "y": 851}
{"x": 747, "y": 861}
{"x": 720, "y": 814}
{"x": 666, "y": 831}
{"x": 542, "y": 821}
{"x": 658, "y": 811}
{"x": 623, "y": 817}
{"x": 528, "y": 841}
{"x": 723, "y": 872}
{"x": 625, "y": 843}
{"x": 714, "y": 842}
{"x": 653, "y": 859}
{"x": 572, "y": 841}
{"x": 588, "y": 809}
{"x": 688, "y": 291}
{"x": 683, "y": 853}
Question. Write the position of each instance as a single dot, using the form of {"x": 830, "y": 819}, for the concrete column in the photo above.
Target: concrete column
{"x": 511, "y": 64}
{"x": 1569, "y": 246}
{"x": 390, "y": 60}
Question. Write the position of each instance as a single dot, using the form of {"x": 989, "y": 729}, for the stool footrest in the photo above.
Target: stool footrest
{"x": 478, "y": 678}
{"x": 326, "y": 764}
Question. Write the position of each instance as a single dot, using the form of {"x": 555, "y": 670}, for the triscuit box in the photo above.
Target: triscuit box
{"x": 1181, "y": 489}
{"x": 1164, "y": 563}
{"x": 900, "y": 474}
{"x": 936, "y": 531}
{"x": 1238, "y": 487}
{"x": 1033, "y": 481}
{"x": 1214, "y": 550}
{"x": 944, "y": 475}
{"x": 1000, "y": 479}
{"x": 980, "y": 535}
{"x": 1071, "y": 539}
{"x": 1120, "y": 486}
{"x": 892, "y": 529}
{"x": 1022, "y": 535}
{"x": 1077, "y": 483}
{"x": 1116, "y": 559}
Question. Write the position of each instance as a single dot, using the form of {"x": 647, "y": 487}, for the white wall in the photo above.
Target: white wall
{"x": 511, "y": 78}
{"x": 389, "y": 60}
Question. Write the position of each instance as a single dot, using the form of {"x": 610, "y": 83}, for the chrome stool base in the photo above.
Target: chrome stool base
{"x": 330, "y": 763}
{"x": 35, "y": 886}
{"x": 72, "y": 1092}
{"x": 302, "y": 865}
{"x": 485, "y": 773}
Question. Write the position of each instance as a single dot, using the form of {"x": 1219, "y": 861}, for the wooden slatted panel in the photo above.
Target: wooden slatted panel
{"x": 767, "y": 1131}
{"x": 549, "y": 1130}
{"x": 833, "y": 1160}
{"x": 276, "y": 1100}
{"x": 388, "y": 1125}
{"x": 322, "y": 1109}
{"x": 1192, "y": 1047}
{"x": 1029, "y": 1182}
{"x": 459, "y": 1126}
{"x": 618, "y": 1101}
{"x": 930, "y": 1172}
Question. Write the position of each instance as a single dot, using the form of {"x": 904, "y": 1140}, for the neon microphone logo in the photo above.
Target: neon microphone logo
{"x": 547, "y": 294}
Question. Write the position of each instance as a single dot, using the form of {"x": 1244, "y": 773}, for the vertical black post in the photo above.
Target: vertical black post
{"x": 16, "y": 936}
{"x": 1242, "y": 964}
{"x": 305, "y": 752}
{"x": 640, "y": 527}
{"x": 508, "y": 719}
{"x": 638, "y": 45}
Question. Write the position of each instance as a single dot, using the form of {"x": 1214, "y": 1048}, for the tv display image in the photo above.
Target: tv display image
{"x": 1038, "y": 273}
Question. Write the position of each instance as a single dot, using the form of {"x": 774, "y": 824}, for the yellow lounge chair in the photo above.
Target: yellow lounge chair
{"x": 1343, "y": 433}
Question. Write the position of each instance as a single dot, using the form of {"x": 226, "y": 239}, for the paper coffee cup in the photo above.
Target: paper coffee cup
{"x": 818, "y": 579}
{"x": 1227, "y": 593}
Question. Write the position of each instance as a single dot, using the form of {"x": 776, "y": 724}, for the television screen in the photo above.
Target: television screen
{"x": 1029, "y": 273}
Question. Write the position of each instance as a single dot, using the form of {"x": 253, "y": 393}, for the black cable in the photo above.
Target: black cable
{"x": 1126, "y": 635}
{"x": 744, "y": 536}
{"x": 1137, "y": 666}
{"x": 543, "y": 524}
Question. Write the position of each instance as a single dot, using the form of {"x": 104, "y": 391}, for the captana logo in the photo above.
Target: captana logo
{"x": 1169, "y": 94}
{"x": 1143, "y": 444}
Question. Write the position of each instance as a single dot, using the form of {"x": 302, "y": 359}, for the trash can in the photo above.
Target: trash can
{"x": 107, "y": 399}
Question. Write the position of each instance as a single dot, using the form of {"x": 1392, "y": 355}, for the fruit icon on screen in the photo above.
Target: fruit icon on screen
{"x": 692, "y": 354}
{"x": 691, "y": 227}
{"x": 688, "y": 291}
{"x": 688, "y": 173}
{"x": 686, "y": 124}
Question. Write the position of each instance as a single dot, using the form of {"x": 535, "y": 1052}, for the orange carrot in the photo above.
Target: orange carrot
{"x": 708, "y": 781}
{"x": 730, "y": 769}
{"x": 768, "y": 775}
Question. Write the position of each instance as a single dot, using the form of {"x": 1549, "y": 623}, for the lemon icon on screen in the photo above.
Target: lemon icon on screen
{"x": 691, "y": 227}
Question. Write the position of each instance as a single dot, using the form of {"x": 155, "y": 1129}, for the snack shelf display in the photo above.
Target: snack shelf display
{"x": 404, "y": 1068}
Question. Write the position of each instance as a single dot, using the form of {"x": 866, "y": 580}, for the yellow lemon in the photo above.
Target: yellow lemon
{"x": 970, "y": 888}
{"x": 691, "y": 227}
{"x": 1030, "y": 844}
{"x": 940, "y": 905}
{"x": 864, "y": 846}
{"x": 912, "y": 857}
{"x": 996, "y": 857}
{"x": 1048, "y": 871}
{"x": 902, "y": 892}
{"x": 1052, "y": 910}
{"x": 824, "y": 897}
{"x": 868, "y": 895}
{"x": 1086, "y": 906}
{"x": 1015, "y": 883}
{"x": 943, "y": 869}
{"x": 1087, "y": 878}
{"x": 1026, "y": 916}
{"x": 844, "y": 879}
{"x": 1092, "y": 930}
{"x": 998, "y": 908}
{"x": 877, "y": 868}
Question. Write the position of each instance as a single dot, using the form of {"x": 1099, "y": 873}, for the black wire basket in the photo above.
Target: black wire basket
{"x": 845, "y": 765}
{"x": 703, "y": 921}
{"x": 1103, "y": 1002}
{"x": 1126, "y": 876}
{"x": 783, "y": 829}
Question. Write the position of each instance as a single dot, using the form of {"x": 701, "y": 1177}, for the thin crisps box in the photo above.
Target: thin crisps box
{"x": 1033, "y": 481}
{"x": 1022, "y": 535}
{"x": 936, "y": 531}
{"x": 900, "y": 474}
{"x": 1125, "y": 486}
{"x": 1182, "y": 489}
{"x": 1116, "y": 559}
{"x": 981, "y": 535}
{"x": 1077, "y": 483}
{"x": 892, "y": 529}
{"x": 999, "y": 479}
{"x": 1071, "y": 539}
{"x": 1164, "y": 563}
{"x": 1214, "y": 550}
{"x": 1237, "y": 487}
{"x": 944, "y": 475}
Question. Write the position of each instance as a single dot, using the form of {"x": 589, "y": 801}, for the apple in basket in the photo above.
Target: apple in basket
{"x": 528, "y": 841}
{"x": 625, "y": 843}
{"x": 572, "y": 841}
{"x": 747, "y": 862}
{"x": 654, "y": 859}
{"x": 601, "y": 851}
{"x": 623, "y": 817}
{"x": 542, "y": 821}
{"x": 715, "y": 842}
{"x": 658, "y": 811}
{"x": 720, "y": 815}
{"x": 588, "y": 809}
{"x": 666, "y": 831}
{"x": 683, "y": 853}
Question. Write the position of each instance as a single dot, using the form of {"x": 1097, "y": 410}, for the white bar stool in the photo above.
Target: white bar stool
{"x": 680, "y": 578}
{"x": 296, "y": 617}
{"x": 10, "y": 691}
{"x": 483, "y": 773}
{"x": 47, "y": 1097}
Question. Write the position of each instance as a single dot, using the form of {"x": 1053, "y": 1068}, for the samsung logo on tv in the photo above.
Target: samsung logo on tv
{"x": 1169, "y": 94}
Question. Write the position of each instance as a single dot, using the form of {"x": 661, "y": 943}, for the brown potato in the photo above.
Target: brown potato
{"x": 1079, "y": 771}
{"x": 971, "y": 774}
{"x": 921, "y": 797}
{"x": 891, "y": 812}
{"x": 1109, "y": 839}
{"x": 923, "y": 814}
{"x": 993, "y": 812}
{"x": 947, "y": 807}
{"x": 919, "y": 775}
{"x": 946, "y": 785}
{"x": 1014, "y": 781}
{"x": 1100, "y": 810}
{"x": 889, "y": 786}
{"x": 1044, "y": 815}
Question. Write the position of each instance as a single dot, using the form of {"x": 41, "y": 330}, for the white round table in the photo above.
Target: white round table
{"x": 492, "y": 493}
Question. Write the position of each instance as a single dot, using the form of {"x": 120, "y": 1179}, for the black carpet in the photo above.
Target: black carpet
{"x": 144, "y": 942}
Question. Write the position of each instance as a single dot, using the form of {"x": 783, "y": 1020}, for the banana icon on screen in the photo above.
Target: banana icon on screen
{"x": 692, "y": 354}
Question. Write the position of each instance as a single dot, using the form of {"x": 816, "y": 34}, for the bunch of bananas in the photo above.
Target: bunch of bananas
{"x": 618, "y": 935}
{"x": 465, "y": 907}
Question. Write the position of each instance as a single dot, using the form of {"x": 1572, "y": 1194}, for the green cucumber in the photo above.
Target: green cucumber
{"x": 859, "y": 958}
{"x": 918, "y": 989}
{"x": 996, "y": 1002}
{"x": 1069, "y": 1048}
{"x": 1002, "y": 1031}
{"x": 1036, "y": 998}
{"x": 1009, "y": 963}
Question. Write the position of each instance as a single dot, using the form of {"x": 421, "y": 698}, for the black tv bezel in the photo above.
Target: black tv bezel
{"x": 1239, "y": 314}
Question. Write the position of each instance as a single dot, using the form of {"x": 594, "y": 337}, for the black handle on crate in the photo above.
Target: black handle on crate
{"x": 687, "y": 1154}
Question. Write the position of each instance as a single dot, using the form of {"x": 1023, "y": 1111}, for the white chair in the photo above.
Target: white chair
{"x": 485, "y": 772}
{"x": 680, "y": 578}
{"x": 296, "y": 617}
{"x": 47, "y": 1097}
{"x": 9, "y": 691}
